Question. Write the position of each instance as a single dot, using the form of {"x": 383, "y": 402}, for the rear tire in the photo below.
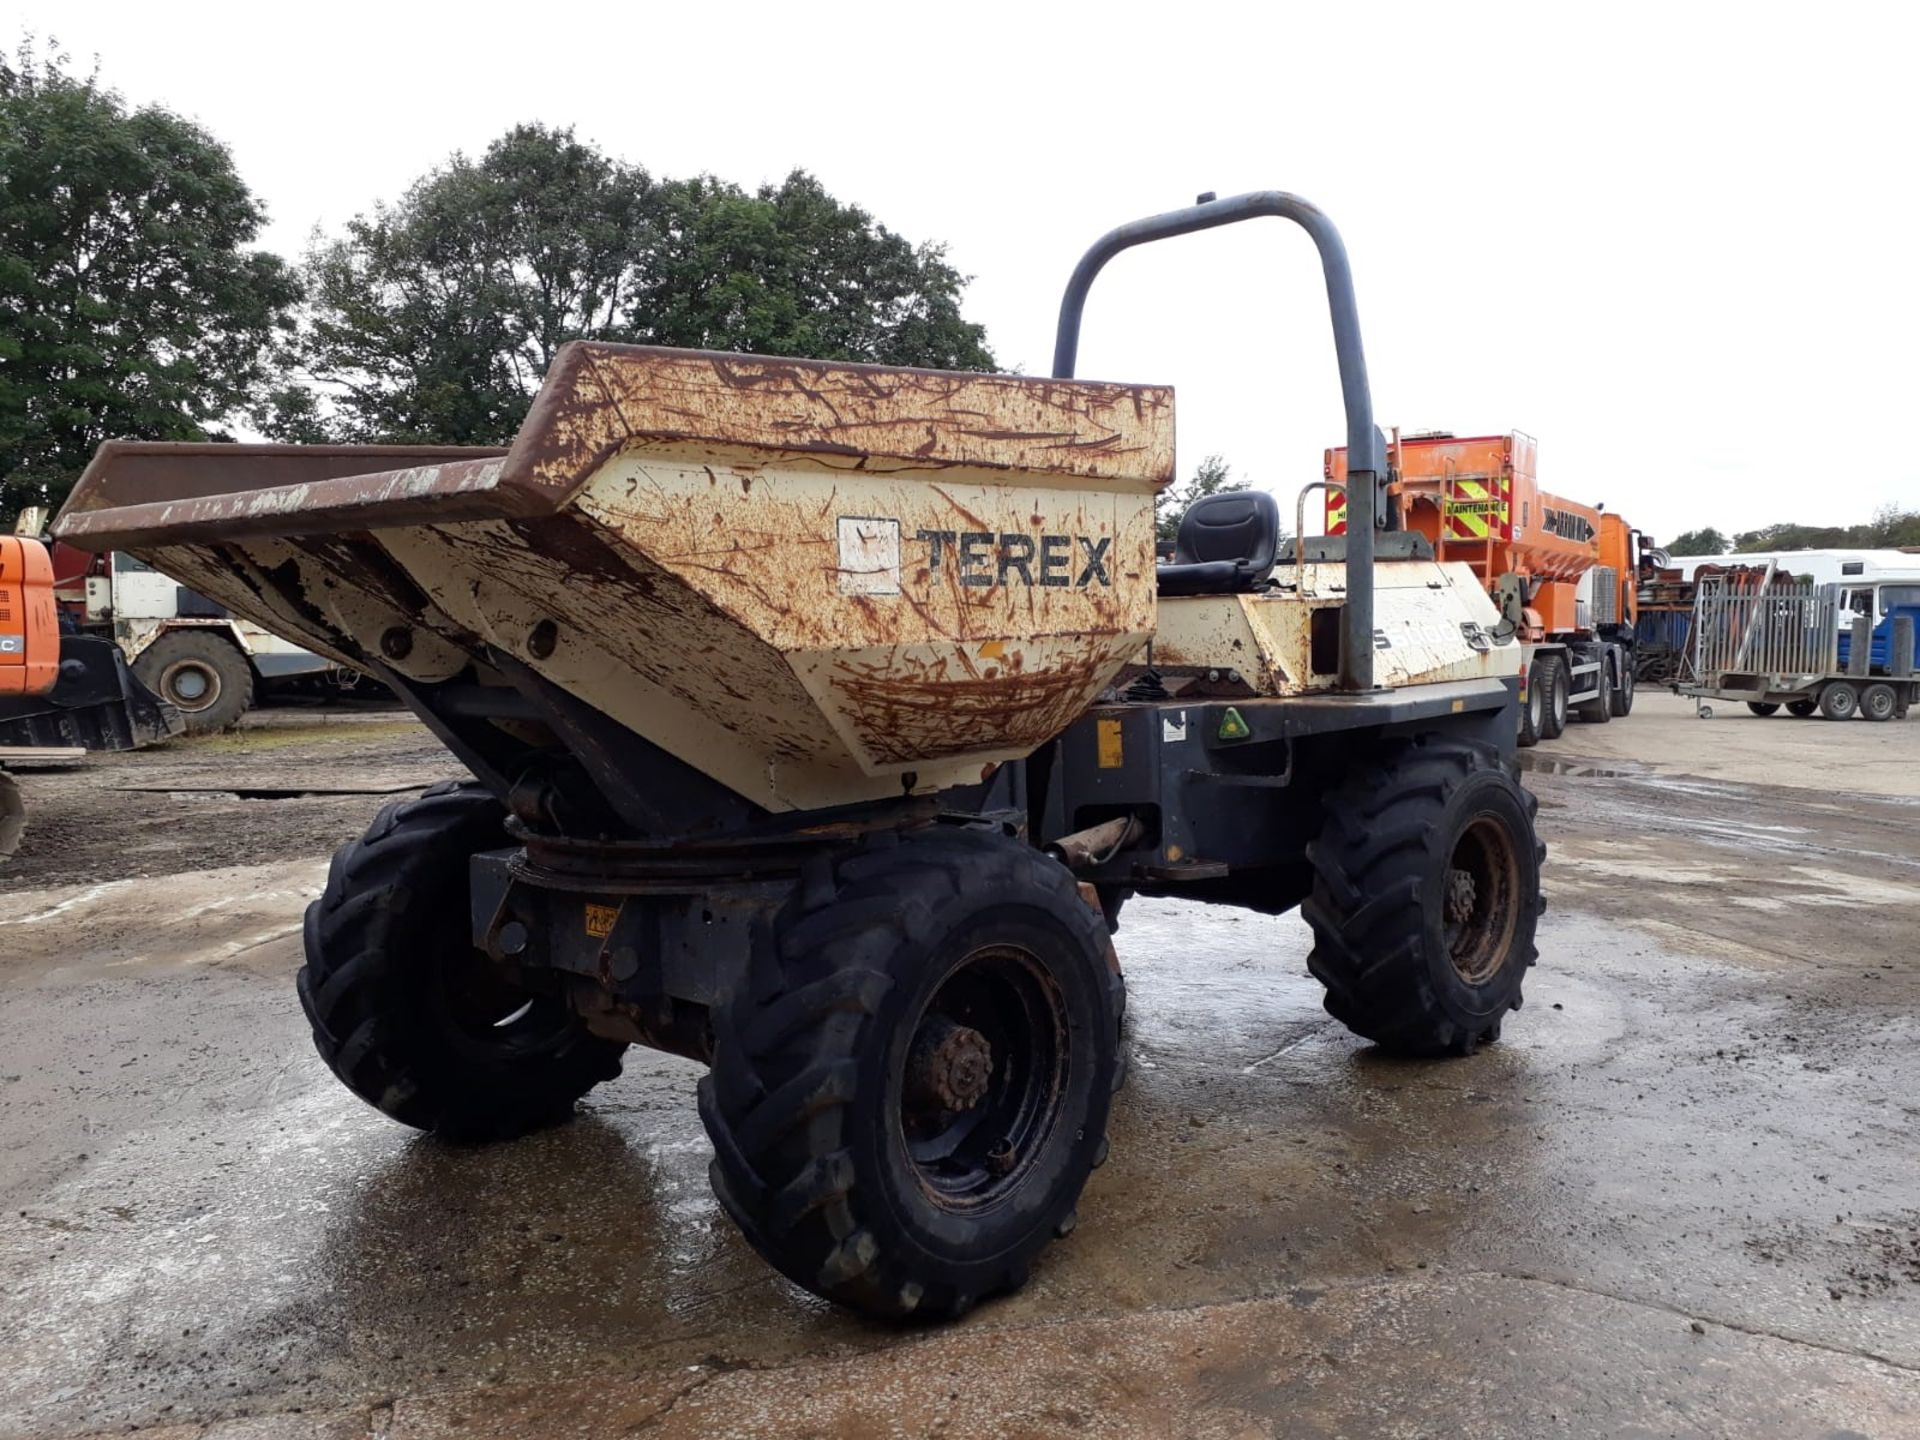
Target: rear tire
{"x": 1801, "y": 709}
{"x": 1762, "y": 708}
{"x": 1623, "y": 692}
{"x": 1839, "y": 701}
{"x": 911, "y": 1087}
{"x": 1599, "y": 710}
{"x": 1878, "y": 702}
{"x": 405, "y": 1011}
{"x": 1426, "y": 897}
{"x": 1553, "y": 687}
{"x": 201, "y": 674}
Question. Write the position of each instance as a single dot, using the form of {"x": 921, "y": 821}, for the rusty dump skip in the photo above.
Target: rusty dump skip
{"x": 817, "y": 583}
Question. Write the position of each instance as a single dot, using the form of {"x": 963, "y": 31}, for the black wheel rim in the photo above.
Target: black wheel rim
{"x": 983, "y": 1077}
{"x": 1480, "y": 900}
{"x": 485, "y": 1015}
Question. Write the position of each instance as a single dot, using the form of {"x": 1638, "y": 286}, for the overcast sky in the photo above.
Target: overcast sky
{"x": 1677, "y": 244}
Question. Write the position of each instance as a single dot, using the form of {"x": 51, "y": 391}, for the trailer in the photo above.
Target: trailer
{"x": 1774, "y": 642}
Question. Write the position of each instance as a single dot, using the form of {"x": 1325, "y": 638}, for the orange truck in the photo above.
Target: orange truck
{"x": 1565, "y": 574}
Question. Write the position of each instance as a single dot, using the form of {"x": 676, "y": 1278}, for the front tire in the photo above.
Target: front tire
{"x": 201, "y": 674}
{"x": 1533, "y": 710}
{"x": 1553, "y": 686}
{"x": 1426, "y": 897}
{"x": 911, "y": 1087}
{"x": 405, "y": 1011}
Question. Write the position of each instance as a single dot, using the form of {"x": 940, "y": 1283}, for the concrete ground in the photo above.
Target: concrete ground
{"x": 1681, "y": 1197}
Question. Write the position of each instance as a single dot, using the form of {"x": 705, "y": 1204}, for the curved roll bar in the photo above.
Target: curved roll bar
{"x": 1366, "y": 447}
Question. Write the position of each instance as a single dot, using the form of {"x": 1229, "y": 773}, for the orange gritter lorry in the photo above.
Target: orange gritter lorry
{"x": 1564, "y": 574}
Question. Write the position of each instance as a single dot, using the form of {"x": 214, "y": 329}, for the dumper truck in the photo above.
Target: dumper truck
{"x": 1566, "y": 575}
{"x": 821, "y": 720}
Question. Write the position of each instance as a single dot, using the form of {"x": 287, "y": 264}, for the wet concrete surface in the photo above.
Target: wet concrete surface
{"x": 1680, "y": 1197}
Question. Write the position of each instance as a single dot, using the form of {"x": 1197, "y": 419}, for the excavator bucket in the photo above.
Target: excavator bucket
{"x": 815, "y": 583}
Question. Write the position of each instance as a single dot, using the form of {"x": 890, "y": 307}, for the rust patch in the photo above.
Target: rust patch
{"x": 901, "y": 719}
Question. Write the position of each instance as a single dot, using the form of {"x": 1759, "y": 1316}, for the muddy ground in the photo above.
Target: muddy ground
{"x": 1681, "y": 1197}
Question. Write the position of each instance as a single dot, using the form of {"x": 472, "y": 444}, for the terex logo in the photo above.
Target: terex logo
{"x": 1566, "y": 524}
{"x": 983, "y": 558}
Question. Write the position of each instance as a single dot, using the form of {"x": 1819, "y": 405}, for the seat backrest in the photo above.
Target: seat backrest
{"x": 1237, "y": 526}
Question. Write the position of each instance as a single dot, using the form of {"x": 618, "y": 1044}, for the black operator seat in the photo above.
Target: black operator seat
{"x": 1228, "y": 544}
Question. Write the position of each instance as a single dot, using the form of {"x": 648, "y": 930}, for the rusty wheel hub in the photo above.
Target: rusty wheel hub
{"x": 1481, "y": 906}
{"x": 950, "y": 1066}
{"x": 1459, "y": 896}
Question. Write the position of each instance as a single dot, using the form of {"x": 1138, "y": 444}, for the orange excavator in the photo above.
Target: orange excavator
{"x": 1565, "y": 575}
{"x": 61, "y": 694}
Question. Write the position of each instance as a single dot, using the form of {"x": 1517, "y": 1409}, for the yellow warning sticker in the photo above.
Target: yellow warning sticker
{"x": 600, "y": 920}
{"x": 1107, "y": 736}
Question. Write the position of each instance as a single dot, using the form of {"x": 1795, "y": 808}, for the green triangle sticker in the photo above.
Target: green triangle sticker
{"x": 1232, "y": 727}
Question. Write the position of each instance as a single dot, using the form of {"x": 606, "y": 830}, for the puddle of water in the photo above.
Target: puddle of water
{"x": 1533, "y": 761}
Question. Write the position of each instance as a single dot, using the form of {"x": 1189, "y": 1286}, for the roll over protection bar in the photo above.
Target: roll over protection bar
{"x": 1366, "y": 446}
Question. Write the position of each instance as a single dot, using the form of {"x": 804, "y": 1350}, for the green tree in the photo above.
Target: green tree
{"x": 434, "y": 319}
{"x": 1708, "y": 541}
{"x": 789, "y": 270}
{"x": 1212, "y": 476}
{"x": 1892, "y": 526}
{"x": 131, "y": 301}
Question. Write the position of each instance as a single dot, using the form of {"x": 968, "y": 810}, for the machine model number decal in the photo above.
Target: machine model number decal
{"x": 13, "y": 644}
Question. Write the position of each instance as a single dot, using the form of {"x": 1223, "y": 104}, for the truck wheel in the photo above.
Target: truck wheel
{"x": 1878, "y": 702}
{"x": 1623, "y": 691}
{"x": 1762, "y": 708}
{"x": 911, "y": 1085}
{"x": 1839, "y": 700}
{"x": 1553, "y": 686}
{"x": 202, "y": 675}
{"x": 1533, "y": 710}
{"x": 411, "y": 1017}
{"x": 1599, "y": 710}
{"x": 1801, "y": 709}
{"x": 1425, "y": 899}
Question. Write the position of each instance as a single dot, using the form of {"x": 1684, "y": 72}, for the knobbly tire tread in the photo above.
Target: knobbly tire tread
{"x": 788, "y": 1046}
{"x": 387, "y": 897}
{"x": 1370, "y": 928}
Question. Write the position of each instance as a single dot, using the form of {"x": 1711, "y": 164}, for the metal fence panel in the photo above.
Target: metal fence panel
{"x": 1775, "y": 628}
